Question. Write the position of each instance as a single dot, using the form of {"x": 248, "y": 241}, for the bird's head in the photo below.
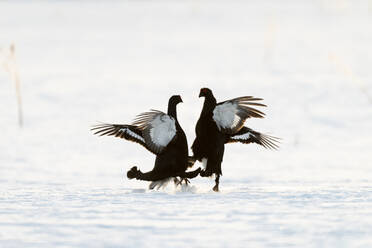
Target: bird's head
{"x": 205, "y": 92}
{"x": 174, "y": 100}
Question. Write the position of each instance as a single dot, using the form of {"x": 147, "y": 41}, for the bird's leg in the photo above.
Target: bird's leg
{"x": 179, "y": 182}
{"x": 187, "y": 181}
{"x": 215, "y": 188}
{"x": 176, "y": 181}
{"x": 184, "y": 176}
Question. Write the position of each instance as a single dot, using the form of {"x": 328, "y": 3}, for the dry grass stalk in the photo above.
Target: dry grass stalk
{"x": 10, "y": 66}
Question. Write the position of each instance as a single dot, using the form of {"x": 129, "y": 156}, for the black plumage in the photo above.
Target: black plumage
{"x": 222, "y": 123}
{"x": 162, "y": 135}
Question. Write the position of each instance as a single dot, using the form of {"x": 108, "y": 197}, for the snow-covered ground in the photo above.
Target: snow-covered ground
{"x": 81, "y": 62}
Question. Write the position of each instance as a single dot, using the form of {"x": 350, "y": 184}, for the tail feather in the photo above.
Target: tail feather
{"x": 247, "y": 135}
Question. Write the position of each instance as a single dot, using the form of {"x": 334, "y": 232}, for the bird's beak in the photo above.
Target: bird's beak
{"x": 200, "y": 94}
{"x": 181, "y": 99}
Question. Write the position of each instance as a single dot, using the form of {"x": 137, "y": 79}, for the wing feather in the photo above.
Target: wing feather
{"x": 158, "y": 129}
{"x": 128, "y": 132}
{"x": 247, "y": 135}
{"x": 230, "y": 115}
{"x": 154, "y": 130}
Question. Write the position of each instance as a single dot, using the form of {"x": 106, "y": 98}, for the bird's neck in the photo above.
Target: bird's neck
{"x": 209, "y": 104}
{"x": 172, "y": 111}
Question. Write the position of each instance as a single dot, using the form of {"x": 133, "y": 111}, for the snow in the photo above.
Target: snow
{"x": 80, "y": 62}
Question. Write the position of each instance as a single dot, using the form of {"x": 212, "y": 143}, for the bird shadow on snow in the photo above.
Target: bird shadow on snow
{"x": 170, "y": 188}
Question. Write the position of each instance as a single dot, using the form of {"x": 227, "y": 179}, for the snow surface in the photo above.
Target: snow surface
{"x": 81, "y": 62}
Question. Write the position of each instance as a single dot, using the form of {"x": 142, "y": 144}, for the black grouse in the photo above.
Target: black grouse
{"x": 162, "y": 135}
{"x": 222, "y": 123}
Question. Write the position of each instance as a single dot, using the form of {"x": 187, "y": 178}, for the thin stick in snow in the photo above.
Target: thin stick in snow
{"x": 17, "y": 85}
{"x": 10, "y": 66}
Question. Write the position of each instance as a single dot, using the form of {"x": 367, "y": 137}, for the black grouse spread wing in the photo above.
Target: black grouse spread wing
{"x": 158, "y": 129}
{"x": 230, "y": 115}
{"x": 154, "y": 130}
{"x": 128, "y": 132}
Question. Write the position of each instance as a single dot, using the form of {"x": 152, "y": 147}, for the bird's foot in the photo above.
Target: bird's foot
{"x": 215, "y": 188}
{"x": 187, "y": 181}
{"x": 133, "y": 172}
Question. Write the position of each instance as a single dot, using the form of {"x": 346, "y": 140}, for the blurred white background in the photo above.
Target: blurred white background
{"x": 80, "y": 62}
